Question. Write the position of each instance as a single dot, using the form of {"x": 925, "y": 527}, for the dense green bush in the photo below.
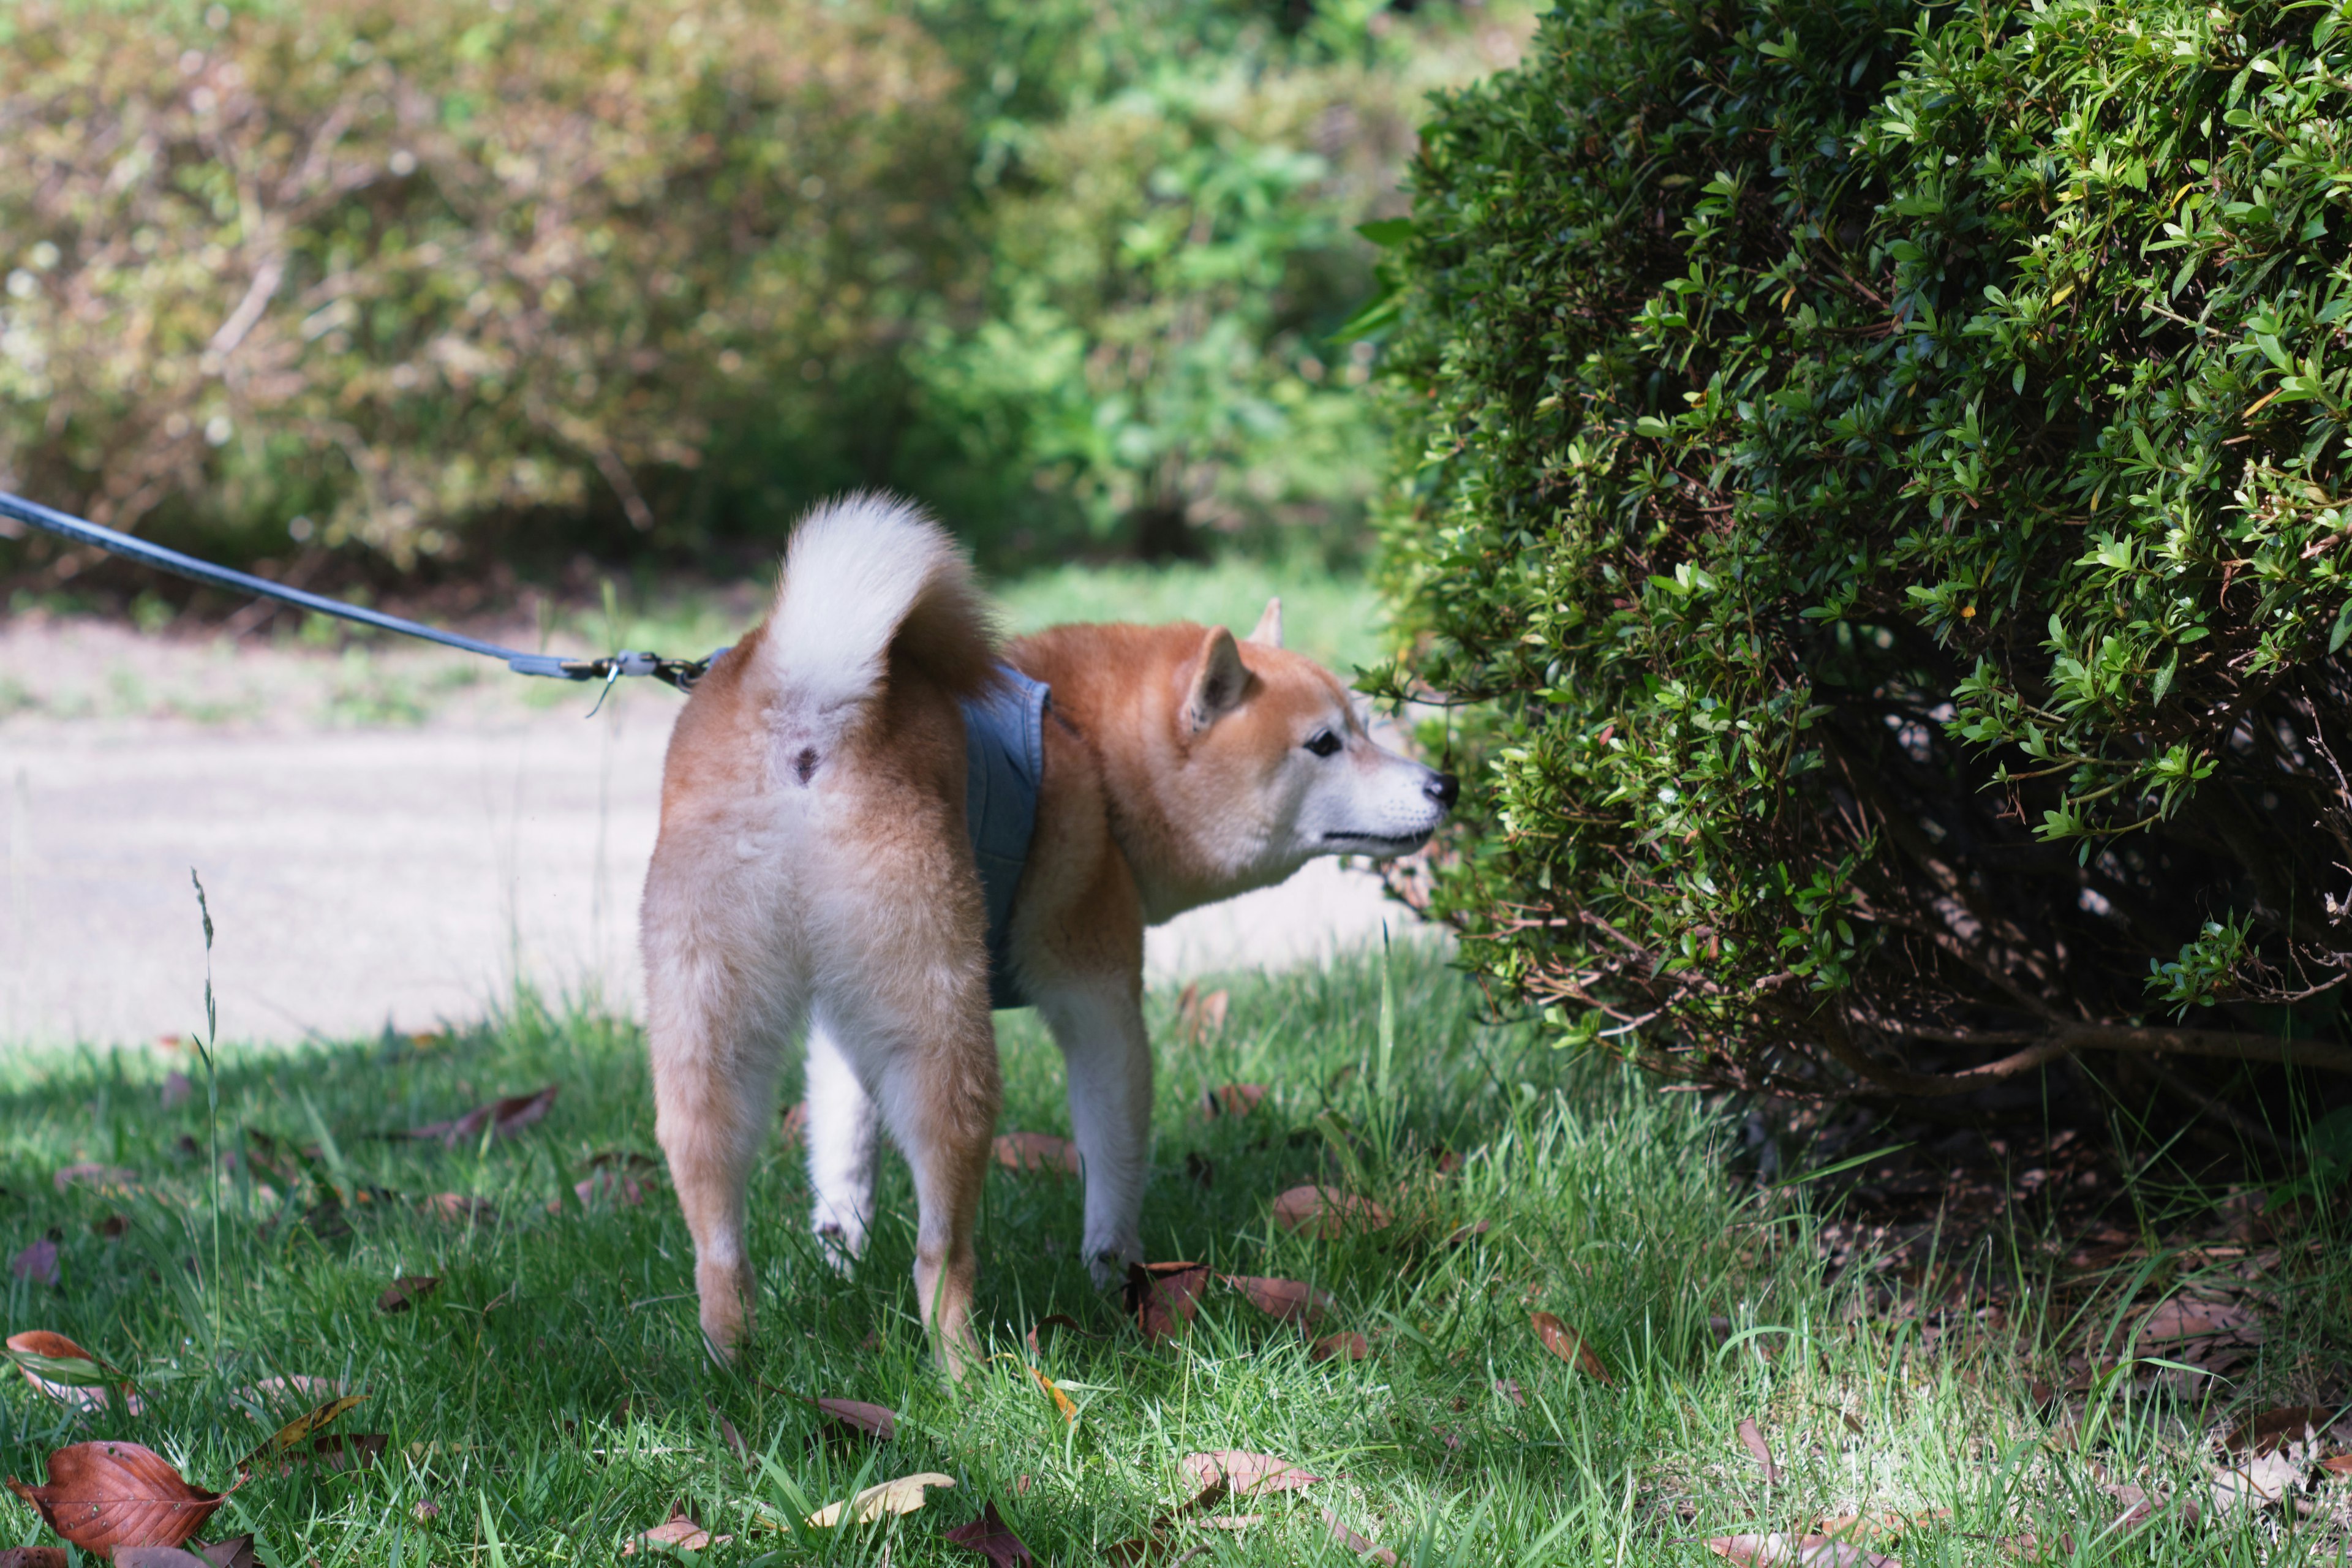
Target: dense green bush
{"x": 433, "y": 277}
{"x": 1880, "y": 479}
{"x": 391, "y": 265}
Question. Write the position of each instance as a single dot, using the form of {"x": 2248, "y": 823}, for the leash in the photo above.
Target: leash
{"x": 681, "y": 673}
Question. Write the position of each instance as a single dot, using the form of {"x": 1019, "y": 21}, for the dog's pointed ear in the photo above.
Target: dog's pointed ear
{"x": 1268, "y": 632}
{"x": 1219, "y": 680}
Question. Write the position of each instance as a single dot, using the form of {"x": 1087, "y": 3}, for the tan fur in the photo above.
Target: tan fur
{"x": 1167, "y": 749}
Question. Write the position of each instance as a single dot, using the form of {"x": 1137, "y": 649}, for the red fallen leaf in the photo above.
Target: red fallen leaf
{"x": 1751, "y": 1437}
{"x": 1035, "y": 1152}
{"x": 1568, "y": 1344}
{"x": 504, "y": 1117}
{"x": 993, "y": 1538}
{"x": 678, "y": 1530}
{"x": 1057, "y": 1320}
{"x": 1446, "y": 1161}
{"x": 1796, "y": 1551}
{"x": 606, "y": 1184}
{"x": 2274, "y": 1429}
{"x": 870, "y": 1419}
{"x": 796, "y": 1124}
{"x": 105, "y": 1178}
{"x": 1347, "y": 1346}
{"x": 1509, "y": 1387}
{"x": 1234, "y": 1098}
{"x": 1164, "y": 1295}
{"x": 1357, "y": 1543}
{"x": 458, "y": 1209}
{"x": 406, "y": 1290}
{"x": 37, "y": 1264}
{"x": 33, "y": 1557}
{"x": 1289, "y": 1299}
{"x": 1246, "y": 1474}
{"x": 2338, "y": 1464}
{"x": 1327, "y": 1212}
{"x": 304, "y": 1425}
{"x": 48, "y": 1362}
{"x": 117, "y": 1494}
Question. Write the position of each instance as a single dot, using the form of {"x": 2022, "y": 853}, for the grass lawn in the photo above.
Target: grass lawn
{"x": 551, "y": 1399}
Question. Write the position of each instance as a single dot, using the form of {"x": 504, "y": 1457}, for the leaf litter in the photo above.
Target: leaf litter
{"x": 993, "y": 1538}
{"x": 503, "y": 1118}
{"x": 63, "y": 1371}
{"x": 1567, "y": 1345}
{"x": 904, "y": 1495}
{"x": 103, "y": 1495}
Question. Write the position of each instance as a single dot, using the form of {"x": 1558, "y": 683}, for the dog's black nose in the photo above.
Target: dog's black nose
{"x": 1445, "y": 789}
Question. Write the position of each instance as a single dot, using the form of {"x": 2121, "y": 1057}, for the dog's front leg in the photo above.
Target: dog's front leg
{"x": 843, "y": 1127}
{"x": 1099, "y": 1026}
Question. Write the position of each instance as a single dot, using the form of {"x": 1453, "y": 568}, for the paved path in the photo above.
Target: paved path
{"x": 364, "y": 875}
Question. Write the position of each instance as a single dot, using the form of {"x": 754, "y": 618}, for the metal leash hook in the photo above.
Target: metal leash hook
{"x": 615, "y": 667}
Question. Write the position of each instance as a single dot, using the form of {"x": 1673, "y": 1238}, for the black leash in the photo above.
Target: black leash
{"x": 681, "y": 673}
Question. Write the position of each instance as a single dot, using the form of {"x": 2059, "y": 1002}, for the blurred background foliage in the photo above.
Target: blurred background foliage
{"x": 407, "y": 287}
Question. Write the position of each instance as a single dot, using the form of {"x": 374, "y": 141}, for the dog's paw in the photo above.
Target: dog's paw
{"x": 840, "y": 1247}
{"x": 1108, "y": 1264}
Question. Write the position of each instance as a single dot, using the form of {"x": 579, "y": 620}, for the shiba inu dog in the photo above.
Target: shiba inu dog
{"x": 817, "y": 874}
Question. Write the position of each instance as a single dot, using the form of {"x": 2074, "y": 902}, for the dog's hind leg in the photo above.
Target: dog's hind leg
{"x": 715, "y": 1040}
{"x": 1099, "y": 1023}
{"x": 843, "y": 1127}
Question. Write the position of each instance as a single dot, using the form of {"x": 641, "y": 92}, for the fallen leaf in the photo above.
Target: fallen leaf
{"x": 406, "y": 1290}
{"x": 628, "y": 1161}
{"x": 157, "y": 1557}
{"x": 504, "y": 1117}
{"x": 1751, "y": 1437}
{"x": 1509, "y": 1387}
{"x": 678, "y": 1531}
{"x": 2031, "y": 1548}
{"x": 458, "y": 1209}
{"x": 796, "y": 1124}
{"x": 301, "y": 1427}
{"x": 117, "y": 1494}
{"x": 237, "y": 1552}
{"x": 2338, "y": 1465}
{"x": 1347, "y": 1346}
{"x": 68, "y": 1374}
{"x": 1569, "y": 1345}
{"x": 109, "y": 1225}
{"x": 176, "y": 1089}
{"x": 339, "y": 1451}
{"x": 1289, "y": 1299}
{"x": 904, "y": 1495}
{"x": 617, "y": 1185}
{"x": 1797, "y": 1552}
{"x": 1164, "y": 1295}
{"x": 1199, "y": 1017}
{"x": 1035, "y": 1152}
{"x": 302, "y": 1390}
{"x": 1867, "y": 1526}
{"x": 33, "y": 1557}
{"x": 1230, "y": 1520}
{"x": 426, "y": 1511}
{"x": 1327, "y": 1212}
{"x": 1233, "y": 1100}
{"x": 1246, "y": 1474}
{"x": 733, "y": 1440}
{"x": 1468, "y": 1233}
{"x": 105, "y": 1178}
{"x": 1199, "y": 1168}
{"x": 870, "y": 1419}
{"x": 2262, "y": 1479}
{"x": 1057, "y": 1320}
{"x": 1355, "y": 1542}
{"x": 1060, "y": 1400}
{"x": 37, "y": 1264}
{"x": 2274, "y": 1429}
{"x": 993, "y": 1538}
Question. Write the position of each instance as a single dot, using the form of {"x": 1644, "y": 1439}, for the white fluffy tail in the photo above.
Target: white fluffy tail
{"x": 864, "y": 575}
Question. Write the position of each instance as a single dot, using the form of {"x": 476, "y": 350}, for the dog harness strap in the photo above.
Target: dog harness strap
{"x": 1004, "y": 766}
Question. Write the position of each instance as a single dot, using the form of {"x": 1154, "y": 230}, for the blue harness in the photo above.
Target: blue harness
{"x": 1004, "y": 766}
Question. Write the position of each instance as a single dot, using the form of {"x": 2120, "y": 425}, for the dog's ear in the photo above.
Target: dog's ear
{"x": 1269, "y": 627}
{"x": 1219, "y": 680}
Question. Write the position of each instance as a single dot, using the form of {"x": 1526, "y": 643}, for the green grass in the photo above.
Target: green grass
{"x": 551, "y": 1398}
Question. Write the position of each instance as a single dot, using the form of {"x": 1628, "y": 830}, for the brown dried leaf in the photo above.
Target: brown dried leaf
{"x": 1569, "y": 1345}
{"x": 458, "y": 1209}
{"x": 37, "y": 1264}
{"x": 1198, "y": 1018}
{"x": 1292, "y": 1300}
{"x": 237, "y": 1552}
{"x": 1060, "y": 1400}
{"x": 117, "y": 1494}
{"x": 2274, "y": 1429}
{"x": 1232, "y": 1100}
{"x": 609, "y": 1184}
{"x": 1509, "y": 1387}
{"x": 904, "y": 1495}
{"x": 1468, "y": 1233}
{"x": 110, "y": 1179}
{"x": 1164, "y": 1295}
{"x": 298, "y": 1392}
{"x": 1796, "y": 1551}
{"x": 504, "y": 1117}
{"x": 110, "y": 1225}
{"x": 157, "y": 1557}
{"x": 1355, "y": 1542}
{"x": 1035, "y": 1152}
{"x": 993, "y": 1538}
{"x": 1869, "y": 1526}
{"x": 406, "y": 1290}
{"x": 301, "y": 1427}
{"x": 678, "y": 1532}
{"x": 33, "y": 1557}
{"x": 49, "y": 1362}
{"x": 1751, "y": 1437}
{"x": 1347, "y": 1346}
{"x": 871, "y": 1420}
{"x": 2338, "y": 1465}
{"x": 1246, "y": 1474}
{"x": 1327, "y": 1212}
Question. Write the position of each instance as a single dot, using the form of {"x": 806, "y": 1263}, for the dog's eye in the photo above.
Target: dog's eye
{"x": 1323, "y": 743}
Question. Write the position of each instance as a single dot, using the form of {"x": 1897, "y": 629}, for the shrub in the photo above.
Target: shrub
{"x": 401, "y": 265}
{"x": 1880, "y": 479}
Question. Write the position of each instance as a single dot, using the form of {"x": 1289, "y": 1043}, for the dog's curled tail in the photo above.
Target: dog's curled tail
{"x": 866, "y": 576}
